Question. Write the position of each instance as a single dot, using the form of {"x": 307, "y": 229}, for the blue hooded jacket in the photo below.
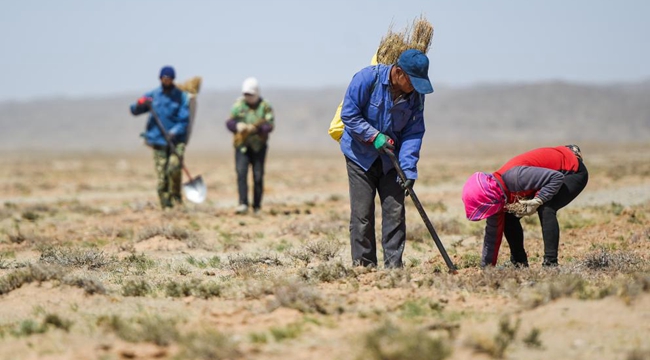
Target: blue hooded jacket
{"x": 368, "y": 109}
{"x": 173, "y": 110}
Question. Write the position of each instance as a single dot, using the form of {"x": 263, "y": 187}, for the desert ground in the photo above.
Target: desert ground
{"x": 91, "y": 268}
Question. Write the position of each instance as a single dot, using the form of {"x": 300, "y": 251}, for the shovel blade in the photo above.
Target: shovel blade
{"x": 195, "y": 190}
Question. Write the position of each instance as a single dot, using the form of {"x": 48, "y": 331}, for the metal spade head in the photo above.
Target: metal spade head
{"x": 195, "y": 190}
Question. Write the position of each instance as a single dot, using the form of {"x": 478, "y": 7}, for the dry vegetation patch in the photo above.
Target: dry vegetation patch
{"x": 200, "y": 282}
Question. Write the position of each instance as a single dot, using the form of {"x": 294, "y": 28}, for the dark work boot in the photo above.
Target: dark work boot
{"x": 521, "y": 262}
{"x": 550, "y": 262}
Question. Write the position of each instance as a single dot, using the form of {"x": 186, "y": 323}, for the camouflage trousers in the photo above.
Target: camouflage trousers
{"x": 168, "y": 169}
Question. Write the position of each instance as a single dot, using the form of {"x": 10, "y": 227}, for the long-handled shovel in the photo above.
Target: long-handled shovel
{"x": 423, "y": 214}
{"x": 195, "y": 190}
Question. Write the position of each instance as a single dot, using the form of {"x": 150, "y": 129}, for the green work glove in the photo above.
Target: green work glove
{"x": 384, "y": 143}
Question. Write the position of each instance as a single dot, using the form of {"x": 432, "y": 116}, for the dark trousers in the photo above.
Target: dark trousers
{"x": 573, "y": 185}
{"x": 364, "y": 185}
{"x": 255, "y": 159}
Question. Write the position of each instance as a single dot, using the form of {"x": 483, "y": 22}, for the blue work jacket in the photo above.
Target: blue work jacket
{"x": 173, "y": 110}
{"x": 368, "y": 109}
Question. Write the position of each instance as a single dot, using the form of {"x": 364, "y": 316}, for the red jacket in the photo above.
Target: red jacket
{"x": 538, "y": 172}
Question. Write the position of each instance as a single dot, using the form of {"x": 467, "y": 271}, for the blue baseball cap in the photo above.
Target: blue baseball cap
{"x": 416, "y": 65}
{"x": 168, "y": 71}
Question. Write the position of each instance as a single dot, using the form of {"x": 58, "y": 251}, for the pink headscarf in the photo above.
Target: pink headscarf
{"x": 482, "y": 196}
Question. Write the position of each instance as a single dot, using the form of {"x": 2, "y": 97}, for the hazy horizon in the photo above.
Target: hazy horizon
{"x": 234, "y": 90}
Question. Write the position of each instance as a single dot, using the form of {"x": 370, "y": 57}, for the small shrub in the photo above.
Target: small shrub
{"x": 245, "y": 265}
{"x": 183, "y": 270}
{"x": 561, "y": 286}
{"x": 638, "y": 354}
{"x": 413, "y": 309}
{"x": 256, "y": 289}
{"x": 194, "y": 287}
{"x": 469, "y": 260}
{"x": 90, "y": 286}
{"x": 136, "y": 288}
{"x": 323, "y": 250}
{"x": 192, "y": 239}
{"x": 208, "y": 345}
{"x": 497, "y": 346}
{"x": 34, "y": 272}
{"x": 56, "y": 321}
{"x": 30, "y": 215}
{"x": 290, "y": 331}
{"x": 113, "y": 232}
{"x": 158, "y": 330}
{"x": 75, "y": 257}
{"x": 154, "y": 329}
{"x": 532, "y": 339}
{"x": 201, "y": 264}
{"x": 214, "y": 261}
{"x": 606, "y": 260}
{"x": 4, "y": 264}
{"x": 28, "y": 327}
{"x": 327, "y": 272}
{"x": 394, "y": 278}
{"x": 138, "y": 264}
{"x": 299, "y": 296}
{"x": 208, "y": 290}
{"x": 389, "y": 342}
{"x": 178, "y": 289}
{"x": 258, "y": 338}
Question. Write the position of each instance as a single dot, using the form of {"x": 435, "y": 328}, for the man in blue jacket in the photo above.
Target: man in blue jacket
{"x": 383, "y": 112}
{"x": 172, "y": 107}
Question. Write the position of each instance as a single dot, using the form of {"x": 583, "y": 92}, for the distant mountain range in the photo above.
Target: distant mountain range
{"x": 540, "y": 113}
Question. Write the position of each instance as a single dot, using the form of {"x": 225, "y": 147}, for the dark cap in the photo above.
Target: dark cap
{"x": 416, "y": 65}
{"x": 168, "y": 71}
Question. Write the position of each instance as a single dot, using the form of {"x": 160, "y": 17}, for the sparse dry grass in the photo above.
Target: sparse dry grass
{"x": 294, "y": 294}
{"x": 75, "y": 257}
{"x": 149, "y": 328}
{"x": 282, "y": 285}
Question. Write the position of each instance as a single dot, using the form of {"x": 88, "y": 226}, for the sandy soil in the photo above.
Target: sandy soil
{"x": 127, "y": 280}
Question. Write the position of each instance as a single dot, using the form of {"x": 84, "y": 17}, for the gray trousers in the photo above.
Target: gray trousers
{"x": 364, "y": 185}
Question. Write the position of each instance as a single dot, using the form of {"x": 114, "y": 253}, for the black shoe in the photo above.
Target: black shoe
{"x": 519, "y": 263}
{"x": 549, "y": 263}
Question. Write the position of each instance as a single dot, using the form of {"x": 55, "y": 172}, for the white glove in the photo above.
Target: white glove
{"x": 241, "y": 126}
{"x": 530, "y": 206}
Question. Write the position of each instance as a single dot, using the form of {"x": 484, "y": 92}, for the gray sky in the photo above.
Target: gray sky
{"x": 90, "y": 48}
